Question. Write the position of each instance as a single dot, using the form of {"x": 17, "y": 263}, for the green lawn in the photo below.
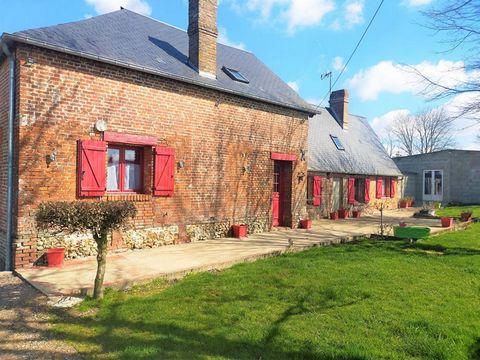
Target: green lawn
{"x": 455, "y": 211}
{"x": 369, "y": 300}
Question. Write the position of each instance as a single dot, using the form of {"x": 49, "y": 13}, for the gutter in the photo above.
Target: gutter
{"x": 29, "y": 41}
{"x": 11, "y": 118}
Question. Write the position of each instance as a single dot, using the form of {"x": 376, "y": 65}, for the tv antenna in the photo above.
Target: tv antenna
{"x": 329, "y": 75}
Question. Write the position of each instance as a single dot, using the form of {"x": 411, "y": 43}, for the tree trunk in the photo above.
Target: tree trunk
{"x": 102, "y": 246}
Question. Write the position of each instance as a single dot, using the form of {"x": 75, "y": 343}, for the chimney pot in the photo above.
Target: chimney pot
{"x": 339, "y": 107}
{"x": 202, "y": 35}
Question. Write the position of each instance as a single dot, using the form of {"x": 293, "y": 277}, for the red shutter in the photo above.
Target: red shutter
{"x": 392, "y": 187}
{"x": 164, "y": 171}
{"x": 379, "y": 188}
{"x": 91, "y": 176}
{"x": 367, "y": 191}
{"x": 351, "y": 190}
{"x": 317, "y": 190}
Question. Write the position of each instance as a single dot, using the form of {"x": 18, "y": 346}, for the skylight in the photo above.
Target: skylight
{"x": 235, "y": 75}
{"x": 337, "y": 142}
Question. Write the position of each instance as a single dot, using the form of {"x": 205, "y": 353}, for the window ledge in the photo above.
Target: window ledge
{"x": 128, "y": 197}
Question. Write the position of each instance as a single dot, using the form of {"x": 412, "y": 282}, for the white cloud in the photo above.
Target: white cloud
{"x": 388, "y": 77}
{"x": 415, "y": 3}
{"x": 105, "y": 6}
{"x": 354, "y": 13}
{"x": 296, "y": 13}
{"x": 224, "y": 39}
{"x": 294, "y": 85}
{"x": 338, "y": 63}
{"x": 381, "y": 123}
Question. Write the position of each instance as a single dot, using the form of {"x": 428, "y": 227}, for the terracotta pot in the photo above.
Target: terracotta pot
{"x": 55, "y": 257}
{"x": 343, "y": 214}
{"x": 403, "y": 204}
{"x": 306, "y": 224}
{"x": 447, "y": 222}
{"x": 356, "y": 214}
{"x": 240, "y": 230}
{"x": 334, "y": 215}
{"x": 403, "y": 224}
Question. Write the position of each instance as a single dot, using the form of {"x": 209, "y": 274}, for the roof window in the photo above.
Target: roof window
{"x": 235, "y": 75}
{"x": 337, "y": 142}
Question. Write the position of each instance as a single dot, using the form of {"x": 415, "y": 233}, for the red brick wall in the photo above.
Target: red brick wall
{"x": 215, "y": 134}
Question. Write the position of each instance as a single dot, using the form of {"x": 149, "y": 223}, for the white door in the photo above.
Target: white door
{"x": 432, "y": 185}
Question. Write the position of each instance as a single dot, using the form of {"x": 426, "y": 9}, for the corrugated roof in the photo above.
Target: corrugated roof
{"x": 364, "y": 154}
{"x": 129, "y": 39}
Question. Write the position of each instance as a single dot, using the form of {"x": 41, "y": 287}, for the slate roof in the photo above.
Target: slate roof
{"x": 129, "y": 39}
{"x": 364, "y": 154}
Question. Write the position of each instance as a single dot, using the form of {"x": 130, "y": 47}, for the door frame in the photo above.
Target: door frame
{"x": 432, "y": 197}
{"x": 285, "y": 187}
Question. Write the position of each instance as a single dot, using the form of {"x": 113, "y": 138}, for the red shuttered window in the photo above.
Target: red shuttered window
{"x": 367, "y": 191}
{"x": 351, "y": 190}
{"x": 317, "y": 190}
{"x": 164, "y": 171}
{"x": 125, "y": 169}
{"x": 91, "y": 177}
{"x": 392, "y": 187}
{"x": 379, "y": 193}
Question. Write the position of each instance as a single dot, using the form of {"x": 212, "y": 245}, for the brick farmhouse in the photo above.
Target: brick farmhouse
{"x": 348, "y": 166}
{"x": 124, "y": 107}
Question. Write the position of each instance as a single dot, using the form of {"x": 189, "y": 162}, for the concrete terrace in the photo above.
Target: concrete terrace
{"x": 76, "y": 277}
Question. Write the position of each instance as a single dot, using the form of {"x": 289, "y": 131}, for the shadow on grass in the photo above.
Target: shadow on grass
{"x": 475, "y": 350}
{"x": 157, "y": 339}
{"x": 441, "y": 249}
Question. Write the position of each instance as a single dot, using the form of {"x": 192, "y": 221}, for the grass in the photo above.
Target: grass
{"x": 455, "y": 211}
{"x": 369, "y": 300}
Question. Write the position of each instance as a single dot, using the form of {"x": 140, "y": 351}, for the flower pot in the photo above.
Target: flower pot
{"x": 55, "y": 257}
{"x": 356, "y": 214}
{"x": 465, "y": 217}
{"x": 306, "y": 224}
{"x": 334, "y": 215}
{"x": 447, "y": 222}
{"x": 343, "y": 214}
{"x": 240, "y": 230}
{"x": 403, "y": 204}
{"x": 403, "y": 224}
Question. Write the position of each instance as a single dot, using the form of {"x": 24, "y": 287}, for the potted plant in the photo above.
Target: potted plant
{"x": 240, "y": 230}
{"x": 446, "y": 221}
{"x": 466, "y": 216}
{"x": 357, "y": 211}
{"x": 343, "y": 213}
{"x": 334, "y": 215}
{"x": 306, "y": 223}
{"x": 403, "y": 203}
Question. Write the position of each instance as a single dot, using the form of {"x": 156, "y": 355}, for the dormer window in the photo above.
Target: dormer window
{"x": 235, "y": 75}
{"x": 337, "y": 142}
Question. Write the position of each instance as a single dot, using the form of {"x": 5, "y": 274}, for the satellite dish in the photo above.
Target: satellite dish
{"x": 101, "y": 125}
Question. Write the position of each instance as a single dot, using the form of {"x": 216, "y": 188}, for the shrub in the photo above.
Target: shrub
{"x": 99, "y": 218}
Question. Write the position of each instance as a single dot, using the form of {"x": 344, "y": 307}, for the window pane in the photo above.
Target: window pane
{"x": 132, "y": 176}
{"x": 438, "y": 182}
{"x": 131, "y": 155}
{"x": 113, "y": 169}
{"x": 427, "y": 186}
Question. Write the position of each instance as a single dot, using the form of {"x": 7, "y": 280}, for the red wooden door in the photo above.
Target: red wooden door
{"x": 276, "y": 195}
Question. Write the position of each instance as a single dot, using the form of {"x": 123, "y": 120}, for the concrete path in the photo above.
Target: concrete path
{"x": 127, "y": 268}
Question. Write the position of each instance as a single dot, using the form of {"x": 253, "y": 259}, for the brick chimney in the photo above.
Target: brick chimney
{"x": 339, "y": 107}
{"x": 202, "y": 36}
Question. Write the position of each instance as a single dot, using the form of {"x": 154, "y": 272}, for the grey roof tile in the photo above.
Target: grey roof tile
{"x": 133, "y": 39}
{"x": 364, "y": 154}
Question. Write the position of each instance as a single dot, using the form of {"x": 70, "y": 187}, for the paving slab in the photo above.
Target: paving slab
{"x": 76, "y": 277}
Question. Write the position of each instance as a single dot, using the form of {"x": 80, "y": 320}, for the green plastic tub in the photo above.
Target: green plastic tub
{"x": 411, "y": 232}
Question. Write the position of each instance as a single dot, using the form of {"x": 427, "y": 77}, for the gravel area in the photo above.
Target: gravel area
{"x": 24, "y": 324}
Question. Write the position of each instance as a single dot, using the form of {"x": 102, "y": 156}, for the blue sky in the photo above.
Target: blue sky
{"x": 300, "y": 40}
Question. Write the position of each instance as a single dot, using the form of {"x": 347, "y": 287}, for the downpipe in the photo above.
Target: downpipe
{"x": 11, "y": 118}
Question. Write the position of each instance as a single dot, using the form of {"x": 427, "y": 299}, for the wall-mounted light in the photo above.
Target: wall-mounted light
{"x": 245, "y": 169}
{"x": 181, "y": 165}
{"x": 303, "y": 154}
{"x": 101, "y": 126}
{"x": 301, "y": 176}
{"x": 29, "y": 62}
{"x": 51, "y": 157}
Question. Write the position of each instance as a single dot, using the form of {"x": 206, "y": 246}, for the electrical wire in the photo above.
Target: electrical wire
{"x": 353, "y": 52}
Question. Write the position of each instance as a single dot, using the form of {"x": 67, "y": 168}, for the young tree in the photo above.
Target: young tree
{"x": 99, "y": 218}
{"x": 403, "y": 131}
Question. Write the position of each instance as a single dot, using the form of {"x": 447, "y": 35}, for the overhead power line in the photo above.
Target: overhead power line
{"x": 354, "y": 51}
